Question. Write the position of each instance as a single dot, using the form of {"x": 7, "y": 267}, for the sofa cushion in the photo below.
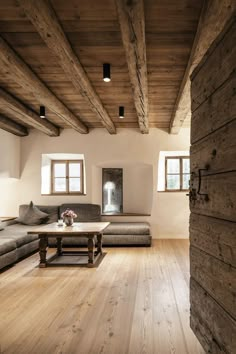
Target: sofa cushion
{"x": 6, "y": 245}
{"x": 31, "y": 215}
{"x": 18, "y": 233}
{"x": 85, "y": 212}
{"x": 8, "y": 258}
{"x": 1, "y": 225}
{"x": 51, "y": 210}
{"x": 127, "y": 228}
{"x": 23, "y": 240}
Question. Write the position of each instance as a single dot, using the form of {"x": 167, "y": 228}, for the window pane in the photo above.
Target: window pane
{"x": 173, "y": 181}
{"x": 186, "y": 165}
{"x": 74, "y": 184}
{"x": 74, "y": 169}
{"x": 60, "y": 185}
{"x": 186, "y": 179}
{"x": 173, "y": 165}
{"x": 60, "y": 170}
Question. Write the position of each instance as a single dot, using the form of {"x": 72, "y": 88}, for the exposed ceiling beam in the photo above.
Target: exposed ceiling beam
{"x": 43, "y": 17}
{"x": 214, "y": 16}
{"x": 25, "y": 114}
{"x": 23, "y": 75}
{"x": 12, "y": 127}
{"x": 132, "y": 25}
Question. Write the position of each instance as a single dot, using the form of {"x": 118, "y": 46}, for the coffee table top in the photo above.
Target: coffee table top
{"x": 76, "y": 228}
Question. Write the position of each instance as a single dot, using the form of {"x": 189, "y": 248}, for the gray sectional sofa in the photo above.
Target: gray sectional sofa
{"x": 15, "y": 243}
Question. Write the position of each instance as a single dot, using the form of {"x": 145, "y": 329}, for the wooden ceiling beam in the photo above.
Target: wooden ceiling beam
{"x": 24, "y": 76}
{"x": 214, "y": 16}
{"x": 25, "y": 114}
{"x": 12, "y": 127}
{"x": 132, "y": 25}
{"x": 44, "y": 18}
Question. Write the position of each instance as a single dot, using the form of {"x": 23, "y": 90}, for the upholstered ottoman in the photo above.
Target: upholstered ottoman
{"x": 127, "y": 233}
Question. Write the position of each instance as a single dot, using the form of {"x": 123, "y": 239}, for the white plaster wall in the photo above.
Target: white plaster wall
{"x": 9, "y": 155}
{"x": 135, "y": 152}
{"x": 9, "y": 173}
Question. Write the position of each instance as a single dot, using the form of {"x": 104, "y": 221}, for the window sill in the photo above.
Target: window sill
{"x": 63, "y": 194}
{"x": 7, "y": 218}
{"x": 183, "y": 191}
{"x": 125, "y": 214}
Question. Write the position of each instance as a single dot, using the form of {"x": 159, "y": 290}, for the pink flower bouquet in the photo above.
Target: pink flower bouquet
{"x": 69, "y": 213}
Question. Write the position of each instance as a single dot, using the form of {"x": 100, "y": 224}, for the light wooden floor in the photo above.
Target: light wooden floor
{"x": 136, "y": 301}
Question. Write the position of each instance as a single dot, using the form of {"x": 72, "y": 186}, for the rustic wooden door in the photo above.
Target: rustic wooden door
{"x": 213, "y": 196}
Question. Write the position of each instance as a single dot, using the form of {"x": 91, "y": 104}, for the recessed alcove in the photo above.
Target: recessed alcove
{"x": 137, "y": 185}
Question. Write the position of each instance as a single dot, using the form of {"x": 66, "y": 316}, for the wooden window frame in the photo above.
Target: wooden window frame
{"x": 67, "y": 162}
{"x": 180, "y": 158}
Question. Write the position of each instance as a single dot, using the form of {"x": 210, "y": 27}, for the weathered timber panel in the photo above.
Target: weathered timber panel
{"x": 215, "y": 237}
{"x": 216, "y": 111}
{"x": 213, "y": 196}
{"x": 216, "y": 66}
{"x": 218, "y": 151}
{"x": 214, "y": 327}
{"x": 221, "y": 190}
{"x": 216, "y": 277}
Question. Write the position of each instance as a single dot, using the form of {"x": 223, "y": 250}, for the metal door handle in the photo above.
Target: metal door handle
{"x": 200, "y": 183}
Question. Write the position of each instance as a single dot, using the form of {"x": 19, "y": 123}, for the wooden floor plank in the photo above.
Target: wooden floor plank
{"x": 136, "y": 301}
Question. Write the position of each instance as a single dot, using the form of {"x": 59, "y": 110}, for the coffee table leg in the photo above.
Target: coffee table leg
{"x": 90, "y": 250}
{"x": 99, "y": 243}
{"x": 43, "y": 243}
{"x": 59, "y": 246}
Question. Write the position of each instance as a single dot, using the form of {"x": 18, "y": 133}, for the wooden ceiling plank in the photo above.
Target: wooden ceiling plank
{"x": 213, "y": 17}
{"x": 28, "y": 115}
{"x": 132, "y": 25}
{"x": 22, "y": 74}
{"x": 43, "y": 17}
{"x": 12, "y": 127}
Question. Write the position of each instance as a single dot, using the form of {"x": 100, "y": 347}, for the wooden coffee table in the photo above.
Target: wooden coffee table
{"x": 88, "y": 229}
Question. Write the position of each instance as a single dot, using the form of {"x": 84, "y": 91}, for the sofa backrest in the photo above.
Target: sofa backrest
{"x": 52, "y": 210}
{"x": 85, "y": 212}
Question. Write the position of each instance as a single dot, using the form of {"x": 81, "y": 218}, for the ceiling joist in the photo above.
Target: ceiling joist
{"x": 12, "y": 127}
{"x": 132, "y": 25}
{"x": 25, "y": 114}
{"x": 213, "y": 17}
{"x": 43, "y": 17}
{"x": 22, "y": 74}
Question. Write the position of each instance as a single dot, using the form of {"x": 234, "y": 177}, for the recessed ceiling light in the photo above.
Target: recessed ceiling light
{"x": 121, "y": 112}
{"x": 42, "y": 112}
{"x": 106, "y": 72}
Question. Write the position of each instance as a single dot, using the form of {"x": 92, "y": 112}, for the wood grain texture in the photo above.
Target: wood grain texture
{"x": 221, "y": 190}
{"x": 93, "y": 30}
{"x": 136, "y": 301}
{"x": 215, "y": 15}
{"x": 44, "y": 18}
{"x": 22, "y": 74}
{"x": 215, "y": 237}
{"x": 26, "y": 115}
{"x": 213, "y": 196}
{"x": 218, "y": 110}
{"x": 216, "y": 66}
{"x": 217, "y": 151}
{"x": 12, "y": 127}
{"x": 216, "y": 277}
{"x": 132, "y": 26}
{"x": 214, "y": 327}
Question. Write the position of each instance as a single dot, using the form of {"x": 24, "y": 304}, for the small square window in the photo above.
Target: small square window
{"x": 177, "y": 173}
{"x": 67, "y": 177}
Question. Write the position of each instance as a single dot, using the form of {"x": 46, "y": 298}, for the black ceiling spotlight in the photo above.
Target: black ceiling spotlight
{"x": 106, "y": 72}
{"x": 121, "y": 112}
{"x": 42, "y": 112}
